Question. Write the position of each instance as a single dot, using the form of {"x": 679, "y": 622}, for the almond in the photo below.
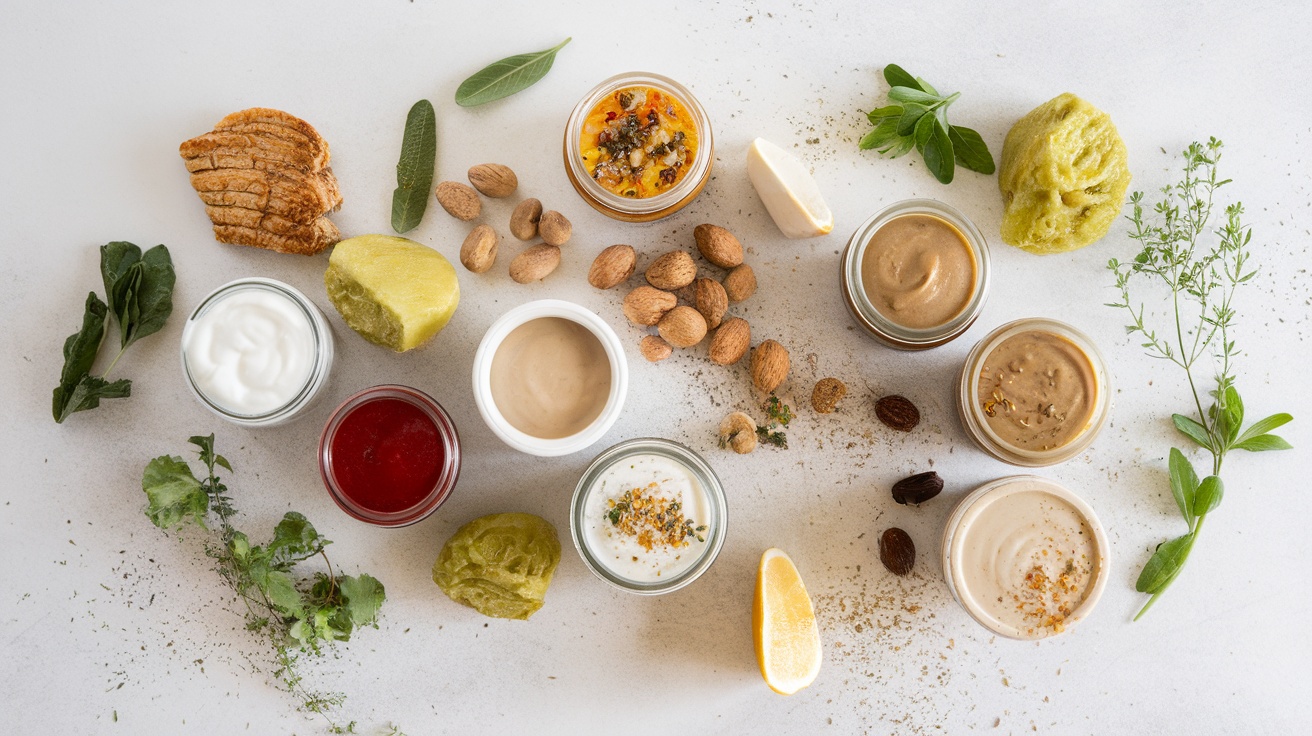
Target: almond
{"x": 554, "y": 228}
{"x": 459, "y": 200}
{"x": 730, "y": 342}
{"x": 826, "y": 395}
{"x": 671, "y": 271}
{"x": 718, "y": 245}
{"x": 710, "y": 300}
{"x": 613, "y": 266}
{"x": 479, "y": 251}
{"x": 769, "y": 366}
{"x": 644, "y": 306}
{"x": 535, "y": 264}
{"x": 493, "y": 180}
{"x": 524, "y": 220}
{"x": 682, "y": 327}
{"x": 654, "y": 348}
{"x": 740, "y": 283}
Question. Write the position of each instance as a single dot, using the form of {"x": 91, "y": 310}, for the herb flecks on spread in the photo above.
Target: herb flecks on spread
{"x": 1202, "y": 281}
{"x": 1047, "y": 600}
{"x": 652, "y": 520}
{"x": 299, "y": 615}
{"x": 638, "y": 142}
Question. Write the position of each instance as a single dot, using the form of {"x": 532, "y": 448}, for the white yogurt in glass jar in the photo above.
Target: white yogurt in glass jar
{"x": 648, "y": 516}
{"x": 256, "y": 351}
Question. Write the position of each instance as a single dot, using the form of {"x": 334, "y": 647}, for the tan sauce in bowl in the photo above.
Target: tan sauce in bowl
{"x": 550, "y": 378}
{"x": 918, "y": 271}
{"x": 1037, "y": 390}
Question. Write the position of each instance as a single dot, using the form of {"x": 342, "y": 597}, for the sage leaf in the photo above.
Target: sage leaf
{"x": 154, "y": 294}
{"x": 506, "y": 77}
{"x": 1192, "y": 429}
{"x": 1208, "y": 496}
{"x": 115, "y": 259}
{"x": 79, "y": 355}
{"x": 926, "y": 86}
{"x": 970, "y": 150}
{"x": 896, "y": 76}
{"x": 1184, "y": 484}
{"x": 884, "y": 133}
{"x": 900, "y": 147}
{"x": 90, "y": 390}
{"x": 1263, "y": 443}
{"x": 1262, "y": 426}
{"x": 414, "y": 170}
{"x": 924, "y": 129}
{"x": 1164, "y": 565}
{"x": 173, "y": 493}
{"x": 1232, "y": 409}
{"x": 938, "y": 151}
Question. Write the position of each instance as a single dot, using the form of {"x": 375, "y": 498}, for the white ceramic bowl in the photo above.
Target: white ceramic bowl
{"x": 487, "y": 406}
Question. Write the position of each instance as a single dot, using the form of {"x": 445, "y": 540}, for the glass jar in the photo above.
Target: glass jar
{"x": 879, "y": 326}
{"x": 1025, "y": 557}
{"x": 972, "y": 407}
{"x": 289, "y": 319}
{"x": 336, "y": 478}
{"x": 588, "y": 512}
{"x": 645, "y": 209}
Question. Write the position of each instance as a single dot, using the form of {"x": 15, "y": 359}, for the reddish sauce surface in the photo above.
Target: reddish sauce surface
{"x": 387, "y": 455}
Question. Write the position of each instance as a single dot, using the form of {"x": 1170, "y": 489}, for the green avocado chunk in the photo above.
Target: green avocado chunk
{"x": 499, "y": 565}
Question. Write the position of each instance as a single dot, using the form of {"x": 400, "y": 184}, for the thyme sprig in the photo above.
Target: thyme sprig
{"x": 777, "y": 414}
{"x": 1203, "y": 282}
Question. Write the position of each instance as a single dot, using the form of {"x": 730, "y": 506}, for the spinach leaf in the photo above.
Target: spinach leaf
{"x": 506, "y": 77}
{"x": 91, "y": 389}
{"x": 154, "y": 295}
{"x": 414, "y": 171}
{"x": 79, "y": 355}
{"x": 970, "y": 150}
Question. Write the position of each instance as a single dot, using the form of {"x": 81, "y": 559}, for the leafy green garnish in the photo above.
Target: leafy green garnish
{"x": 299, "y": 614}
{"x": 778, "y": 414}
{"x": 506, "y": 77}
{"x": 1202, "y": 282}
{"x": 414, "y": 171}
{"x": 139, "y": 289}
{"x": 921, "y": 122}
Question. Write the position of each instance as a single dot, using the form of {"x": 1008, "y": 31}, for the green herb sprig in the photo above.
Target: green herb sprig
{"x": 777, "y": 414}
{"x": 414, "y": 170}
{"x": 1202, "y": 282}
{"x": 139, "y": 294}
{"x": 921, "y": 122}
{"x": 506, "y": 77}
{"x": 299, "y": 614}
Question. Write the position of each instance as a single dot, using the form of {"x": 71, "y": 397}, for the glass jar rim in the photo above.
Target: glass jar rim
{"x": 315, "y": 380}
{"x": 983, "y": 432}
{"x": 886, "y": 330}
{"x": 648, "y": 205}
{"x": 442, "y": 487}
{"x": 951, "y": 550}
{"x": 696, "y": 465}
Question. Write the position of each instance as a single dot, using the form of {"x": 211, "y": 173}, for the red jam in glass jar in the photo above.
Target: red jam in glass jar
{"x": 389, "y": 455}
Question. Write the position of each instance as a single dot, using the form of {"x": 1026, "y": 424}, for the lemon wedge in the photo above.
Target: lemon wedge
{"x": 393, "y": 291}
{"x": 787, "y": 638}
{"x": 788, "y": 191}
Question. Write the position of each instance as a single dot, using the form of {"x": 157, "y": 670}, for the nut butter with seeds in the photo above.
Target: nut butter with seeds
{"x": 1034, "y": 392}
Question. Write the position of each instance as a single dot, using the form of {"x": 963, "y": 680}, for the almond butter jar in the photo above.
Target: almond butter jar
{"x": 1034, "y": 392}
{"x": 638, "y": 147}
{"x": 916, "y": 274}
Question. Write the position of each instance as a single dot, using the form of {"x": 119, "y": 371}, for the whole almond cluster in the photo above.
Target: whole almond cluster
{"x": 527, "y": 221}
{"x": 673, "y": 278}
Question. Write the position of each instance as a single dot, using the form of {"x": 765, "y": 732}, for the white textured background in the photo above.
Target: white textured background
{"x": 108, "y": 626}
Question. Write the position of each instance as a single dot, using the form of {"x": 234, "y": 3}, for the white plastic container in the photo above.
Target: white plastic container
{"x": 487, "y": 405}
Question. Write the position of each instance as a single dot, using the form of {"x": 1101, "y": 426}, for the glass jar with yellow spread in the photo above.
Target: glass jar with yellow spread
{"x": 638, "y": 147}
{"x": 1034, "y": 392}
{"x": 915, "y": 275}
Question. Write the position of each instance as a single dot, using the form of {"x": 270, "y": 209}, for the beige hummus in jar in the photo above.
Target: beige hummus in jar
{"x": 918, "y": 271}
{"x": 1037, "y": 390}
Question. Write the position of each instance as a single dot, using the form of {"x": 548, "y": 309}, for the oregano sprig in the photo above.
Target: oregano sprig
{"x": 1202, "y": 282}
{"x": 299, "y": 614}
{"x": 920, "y": 121}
